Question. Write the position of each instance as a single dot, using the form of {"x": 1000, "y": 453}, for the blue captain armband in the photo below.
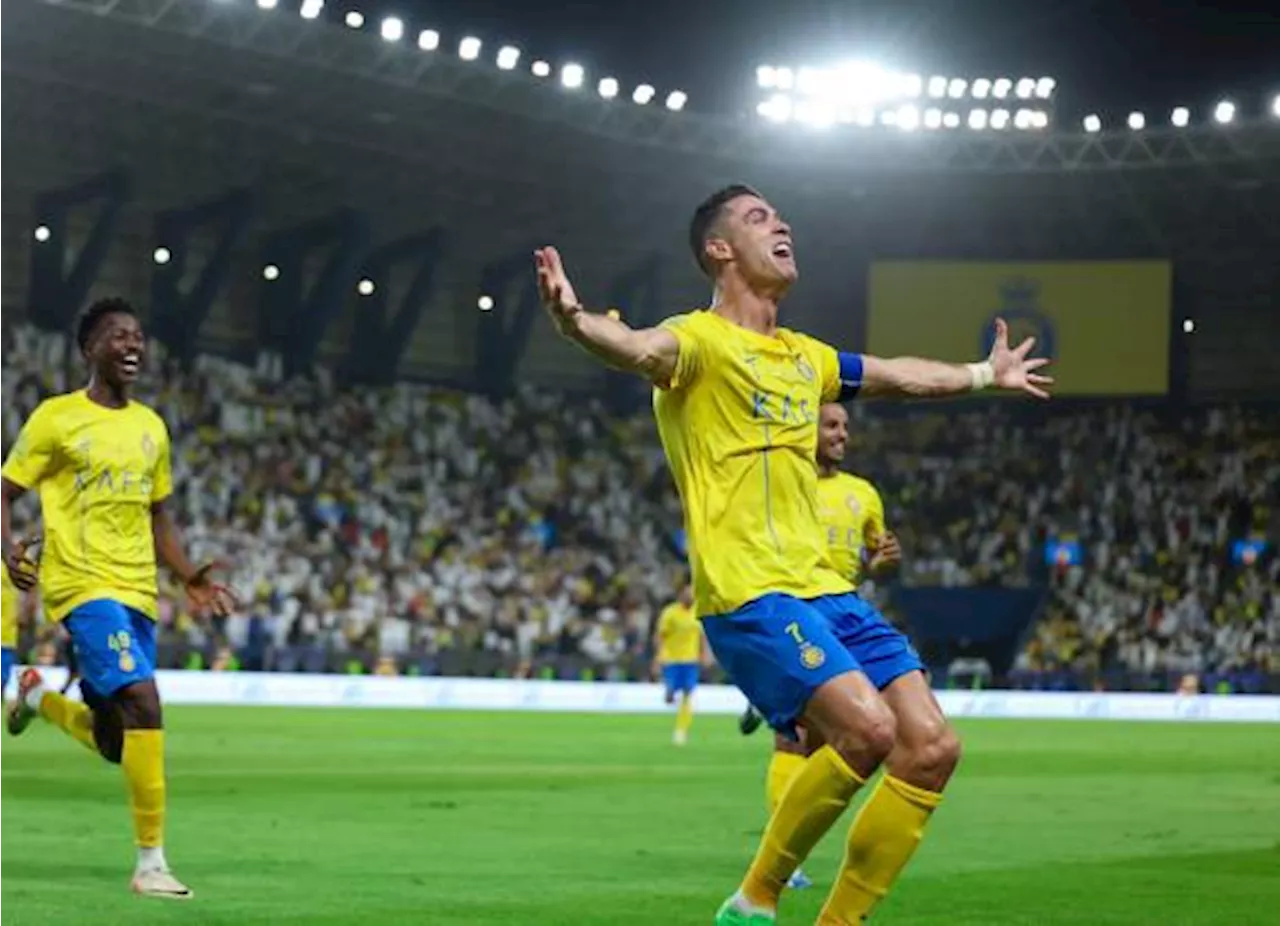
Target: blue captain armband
{"x": 850, "y": 374}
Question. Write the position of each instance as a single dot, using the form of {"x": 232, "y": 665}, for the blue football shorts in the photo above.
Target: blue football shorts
{"x": 7, "y": 660}
{"x": 681, "y": 677}
{"x": 779, "y": 650}
{"x": 115, "y": 645}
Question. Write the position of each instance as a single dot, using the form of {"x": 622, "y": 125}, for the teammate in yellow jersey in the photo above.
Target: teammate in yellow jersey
{"x": 100, "y": 463}
{"x": 858, "y": 545}
{"x": 679, "y": 654}
{"x": 736, "y": 400}
{"x": 11, "y": 600}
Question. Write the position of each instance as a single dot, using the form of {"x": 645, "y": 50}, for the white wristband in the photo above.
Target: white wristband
{"x": 982, "y": 375}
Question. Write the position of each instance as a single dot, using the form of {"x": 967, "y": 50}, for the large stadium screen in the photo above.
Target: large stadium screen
{"x": 1104, "y": 323}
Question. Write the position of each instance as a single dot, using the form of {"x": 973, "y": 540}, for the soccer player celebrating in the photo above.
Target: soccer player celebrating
{"x": 679, "y": 655}
{"x": 736, "y": 400}
{"x": 100, "y": 463}
{"x": 852, "y": 515}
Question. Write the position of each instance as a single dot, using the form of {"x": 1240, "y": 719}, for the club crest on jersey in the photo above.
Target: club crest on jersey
{"x": 804, "y": 369}
{"x": 149, "y": 449}
{"x": 812, "y": 657}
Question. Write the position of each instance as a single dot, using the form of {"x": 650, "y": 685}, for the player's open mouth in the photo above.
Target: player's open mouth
{"x": 783, "y": 249}
{"x": 130, "y": 363}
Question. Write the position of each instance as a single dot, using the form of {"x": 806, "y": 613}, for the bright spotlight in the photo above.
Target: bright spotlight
{"x": 42, "y": 233}
{"x": 977, "y": 119}
{"x": 1001, "y": 87}
{"x": 508, "y": 57}
{"x": 485, "y": 303}
{"x": 816, "y": 114}
{"x": 1000, "y": 119}
{"x": 1224, "y": 112}
{"x": 392, "y": 29}
{"x": 1092, "y": 123}
{"x": 608, "y": 87}
{"x": 908, "y": 118}
{"x": 1188, "y": 326}
{"x": 957, "y": 87}
{"x": 267, "y": 4}
{"x": 1025, "y": 88}
{"x": 933, "y": 118}
{"x": 354, "y": 19}
{"x": 937, "y": 87}
{"x": 786, "y": 78}
{"x": 1180, "y": 116}
{"x": 766, "y": 77}
{"x": 1039, "y": 119}
{"x": 1022, "y": 119}
{"x": 1137, "y": 121}
{"x": 428, "y": 40}
{"x": 776, "y": 109}
{"x": 311, "y": 9}
{"x": 676, "y": 100}
{"x": 951, "y": 120}
{"x": 161, "y": 255}
{"x": 865, "y": 117}
{"x": 643, "y": 94}
{"x": 912, "y": 85}
{"x": 981, "y": 88}
{"x": 469, "y": 48}
{"x": 571, "y": 75}
{"x": 1045, "y": 87}
{"x": 365, "y": 287}
{"x": 540, "y": 69}
{"x": 271, "y": 273}
{"x": 1275, "y": 106}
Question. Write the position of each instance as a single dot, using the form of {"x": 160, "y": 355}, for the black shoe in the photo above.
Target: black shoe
{"x": 750, "y": 721}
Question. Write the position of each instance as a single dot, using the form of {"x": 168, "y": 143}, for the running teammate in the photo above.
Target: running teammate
{"x": 100, "y": 462}
{"x": 678, "y": 640}
{"x": 736, "y": 400}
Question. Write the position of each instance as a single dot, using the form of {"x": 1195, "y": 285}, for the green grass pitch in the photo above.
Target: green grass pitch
{"x": 349, "y": 817}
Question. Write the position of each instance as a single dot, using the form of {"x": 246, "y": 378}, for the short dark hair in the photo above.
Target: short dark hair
{"x": 705, "y": 217}
{"x": 91, "y": 317}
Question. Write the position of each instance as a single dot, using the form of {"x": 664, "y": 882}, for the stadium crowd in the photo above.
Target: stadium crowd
{"x": 417, "y": 529}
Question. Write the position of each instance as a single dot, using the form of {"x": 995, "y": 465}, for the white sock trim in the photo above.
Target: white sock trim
{"x": 35, "y": 695}
{"x": 151, "y": 858}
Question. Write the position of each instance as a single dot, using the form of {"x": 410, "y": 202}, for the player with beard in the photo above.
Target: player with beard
{"x": 736, "y": 398}
{"x": 100, "y": 462}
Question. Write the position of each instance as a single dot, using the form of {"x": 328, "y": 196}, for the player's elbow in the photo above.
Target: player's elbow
{"x": 650, "y": 356}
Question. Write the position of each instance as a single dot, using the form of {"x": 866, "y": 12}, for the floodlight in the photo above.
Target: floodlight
{"x": 271, "y": 273}
{"x": 1224, "y": 112}
{"x": 1000, "y": 87}
{"x": 981, "y": 88}
{"x": 161, "y": 255}
{"x": 957, "y": 87}
{"x": 540, "y": 69}
{"x": 428, "y": 40}
{"x": 469, "y": 48}
{"x": 912, "y": 85}
{"x": 1025, "y": 88}
{"x": 865, "y": 116}
{"x": 908, "y": 118}
{"x": 267, "y": 4}
{"x": 1275, "y": 106}
{"x": 1000, "y": 119}
{"x": 42, "y": 233}
{"x": 508, "y": 57}
{"x": 1137, "y": 121}
{"x": 815, "y": 113}
{"x": 572, "y": 75}
{"x": 676, "y": 100}
{"x": 643, "y": 94}
{"x": 937, "y": 87}
{"x": 608, "y": 87}
{"x": 1188, "y": 326}
{"x": 977, "y": 119}
{"x": 1039, "y": 119}
{"x": 354, "y": 19}
{"x": 1180, "y": 116}
{"x": 785, "y": 77}
{"x": 485, "y": 303}
{"x": 365, "y": 287}
{"x": 1045, "y": 87}
{"x": 766, "y": 77}
{"x": 311, "y": 9}
{"x": 1022, "y": 119}
{"x": 933, "y": 118}
{"x": 392, "y": 29}
{"x": 776, "y": 109}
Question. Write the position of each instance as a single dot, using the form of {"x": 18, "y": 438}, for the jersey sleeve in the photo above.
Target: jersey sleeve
{"x": 32, "y": 454}
{"x": 689, "y": 357}
{"x": 840, "y": 371}
{"x": 875, "y": 512}
{"x": 162, "y": 481}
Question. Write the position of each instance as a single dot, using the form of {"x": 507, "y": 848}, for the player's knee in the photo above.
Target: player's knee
{"x": 933, "y": 759}
{"x": 140, "y": 706}
{"x": 867, "y": 741}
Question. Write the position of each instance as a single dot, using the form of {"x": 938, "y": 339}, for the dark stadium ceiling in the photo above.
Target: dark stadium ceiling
{"x": 1109, "y": 57}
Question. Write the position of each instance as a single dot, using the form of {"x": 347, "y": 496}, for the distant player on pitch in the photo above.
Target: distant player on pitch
{"x": 678, "y": 646}
{"x": 100, "y": 462}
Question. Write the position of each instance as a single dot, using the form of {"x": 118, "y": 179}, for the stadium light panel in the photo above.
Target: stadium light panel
{"x": 572, "y": 75}
{"x": 676, "y": 100}
{"x": 933, "y": 118}
{"x": 977, "y": 119}
{"x": 1045, "y": 87}
{"x": 271, "y": 273}
{"x": 816, "y": 114}
{"x": 365, "y": 287}
{"x": 1180, "y": 116}
{"x": 267, "y": 4}
{"x": 811, "y": 81}
{"x": 392, "y": 29}
{"x": 643, "y": 95}
{"x": 1188, "y": 326}
{"x": 508, "y": 57}
{"x": 1022, "y": 119}
{"x": 766, "y": 77}
{"x": 485, "y": 303}
{"x": 786, "y": 78}
{"x": 908, "y": 118}
{"x": 1275, "y": 106}
{"x": 957, "y": 88}
{"x": 1025, "y": 88}
{"x": 608, "y": 87}
{"x": 311, "y": 9}
{"x": 1000, "y": 87}
{"x": 428, "y": 40}
{"x": 42, "y": 233}
{"x": 161, "y": 255}
{"x": 1000, "y": 119}
{"x": 777, "y": 108}
{"x": 469, "y": 48}
{"x": 981, "y": 88}
{"x": 1039, "y": 119}
{"x": 937, "y": 87}
{"x": 951, "y": 120}
{"x": 1092, "y": 123}
{"x": 1224, "y": 112}
{"x": 912, "y": 85}
{"x": 1137, "y": 121}
{"x": 354, "y": 19}
{"x": 540, "y": 69}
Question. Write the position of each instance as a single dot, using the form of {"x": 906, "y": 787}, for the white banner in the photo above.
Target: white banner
{"x": 278, "y": 689}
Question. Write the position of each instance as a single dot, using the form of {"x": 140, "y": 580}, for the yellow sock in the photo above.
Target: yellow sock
{"x": 783, "y": 766}
{"x": 72, "y": 717}
{"x": 143, "y": 763}
{"x": 684, "y": 717}
{"x": 881, "y": 842}
{"x": 817, "y": 796}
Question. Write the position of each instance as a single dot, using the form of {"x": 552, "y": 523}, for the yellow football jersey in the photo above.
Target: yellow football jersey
{"x": 739, "y": 425}
{"x": 98, "y": 471}
{"x": 10, "y": 609}
{"x": 679, "y": 635}
{"x": 852, "y": 513}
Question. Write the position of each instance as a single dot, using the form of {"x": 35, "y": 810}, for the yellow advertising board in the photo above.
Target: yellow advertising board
{"x": 1104, "y": 323}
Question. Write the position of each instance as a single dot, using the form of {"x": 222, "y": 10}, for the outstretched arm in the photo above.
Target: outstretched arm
{"x": 204, "y": 593}
{"x": 648, "y": 352}
{"x": 1004, "y": 368}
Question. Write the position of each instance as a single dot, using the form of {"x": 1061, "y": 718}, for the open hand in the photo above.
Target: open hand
{"x": 557, "y": 294}
{"x": 886, "y": 554}
{"x": 207, "y": 596}
{"x": 1012, "y": 369}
